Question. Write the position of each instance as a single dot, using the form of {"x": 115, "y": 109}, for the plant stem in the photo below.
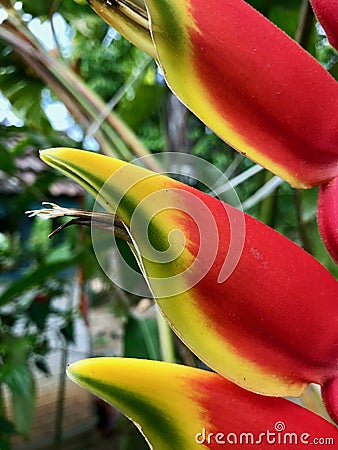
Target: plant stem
{"x": 303, "y": 231}
{"x": 302, "y": 36}
{"x": 60, "y": 400}
{"x": 305, "y": 24}
{"x": 269, "y": 204}
{"x": 53, "y": 9}
{"x": 166, "y": 338}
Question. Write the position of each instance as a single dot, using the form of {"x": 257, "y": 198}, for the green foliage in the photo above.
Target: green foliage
{"x": 22, "y": 88}
{"x": 267, "y": 8}
{"x": 34, "y": 279}
{"x": 33, "y": 273}
{"x": 7, "y": 163}
{"x": 109, "y": 68}
{"x": 24, "y": 327}
{"x": 6, "y": 429}
{"x": 104, "y": 67}
{"x": 141, "y": 339}
{"x": 16, "y": 374}
{"x": 43, "y": 8}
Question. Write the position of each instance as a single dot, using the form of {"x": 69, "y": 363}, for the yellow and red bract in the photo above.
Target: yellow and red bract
{"x": 248, "y": 81}
{"x": 271, "y": 326}
{"x": 187, "y": 409}
{"x": 327, "y": 14}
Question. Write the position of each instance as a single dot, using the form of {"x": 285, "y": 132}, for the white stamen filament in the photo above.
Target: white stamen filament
{"x": 50, "y": 213}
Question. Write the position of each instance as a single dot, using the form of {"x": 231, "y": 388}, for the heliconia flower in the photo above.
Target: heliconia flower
{"x": 245, "y": 78}
{"x": 250, "y": 303}
{"x": 180, "y": 407}
{"x": 328, "y": 216}
{"x": 327, "y": 14}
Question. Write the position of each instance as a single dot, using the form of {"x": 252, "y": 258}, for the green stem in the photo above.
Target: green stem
{"x": 303, "y": 231}
{"x": 302, "y": 36}
{"x": 61, "y": 400}
{"x": 305, "y": 24}
{"x": 53, "y": 9}
{"x": 166, "y": 338}
{"x": 269, "y": 204}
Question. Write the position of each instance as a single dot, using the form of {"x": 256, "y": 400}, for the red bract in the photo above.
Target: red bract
{"x": 246, "y": 79}
{"x": 328, "y": 216}
{"x": 182, "y": 408}
{"x": 327, "y": 14}
{"x": 269, "y": 324}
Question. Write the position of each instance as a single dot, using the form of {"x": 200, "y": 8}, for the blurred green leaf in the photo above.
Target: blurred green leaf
{"x": 37, "y": 8}
{"x": 20, "y": 381}
{"x": 6, "y": 161}
{"x": 35, "y": 278}
{"x": 6, "y": 426}
{"x": 38, "y": 311}
{"x": 145, "y": 104}
{"x": 68, "y": 330}
{"x": 141, "y": 339}
{"x": 334, "y": 71}
{"x": 41, "y": 364}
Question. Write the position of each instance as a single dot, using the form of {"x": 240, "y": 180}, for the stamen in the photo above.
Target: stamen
{"x": 100, "y": 220}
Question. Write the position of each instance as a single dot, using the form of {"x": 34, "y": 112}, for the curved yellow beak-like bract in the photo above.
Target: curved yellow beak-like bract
{"x": 250, "y": 303}
{"x": 181, "y": 408}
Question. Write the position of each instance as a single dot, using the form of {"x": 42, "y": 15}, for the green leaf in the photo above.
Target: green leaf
{"x": 6, "y": 161}
{"x": 35, "y": 278}
{"x": 37, "y": 8}
{"x": 147, "y": 102}
{"x": 41, "y": 364}
{"x": 141, "y": 339}
{"x": 68, "y": 330}
{"x": 20, "y": 381}
{"x": 6, "y": 427}
{"x": 334, "y": 71}
{"x": 38, "y": 312}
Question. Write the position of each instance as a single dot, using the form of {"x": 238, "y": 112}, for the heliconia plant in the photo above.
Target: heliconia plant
{"x": 327, "y": 14}
{"x": 184, "y": 408}
{"x": 225, "y": 61}
{"x": 270, "y": 324}
{"x": 252, "y": 305}
{"x": 251, "y": 84}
